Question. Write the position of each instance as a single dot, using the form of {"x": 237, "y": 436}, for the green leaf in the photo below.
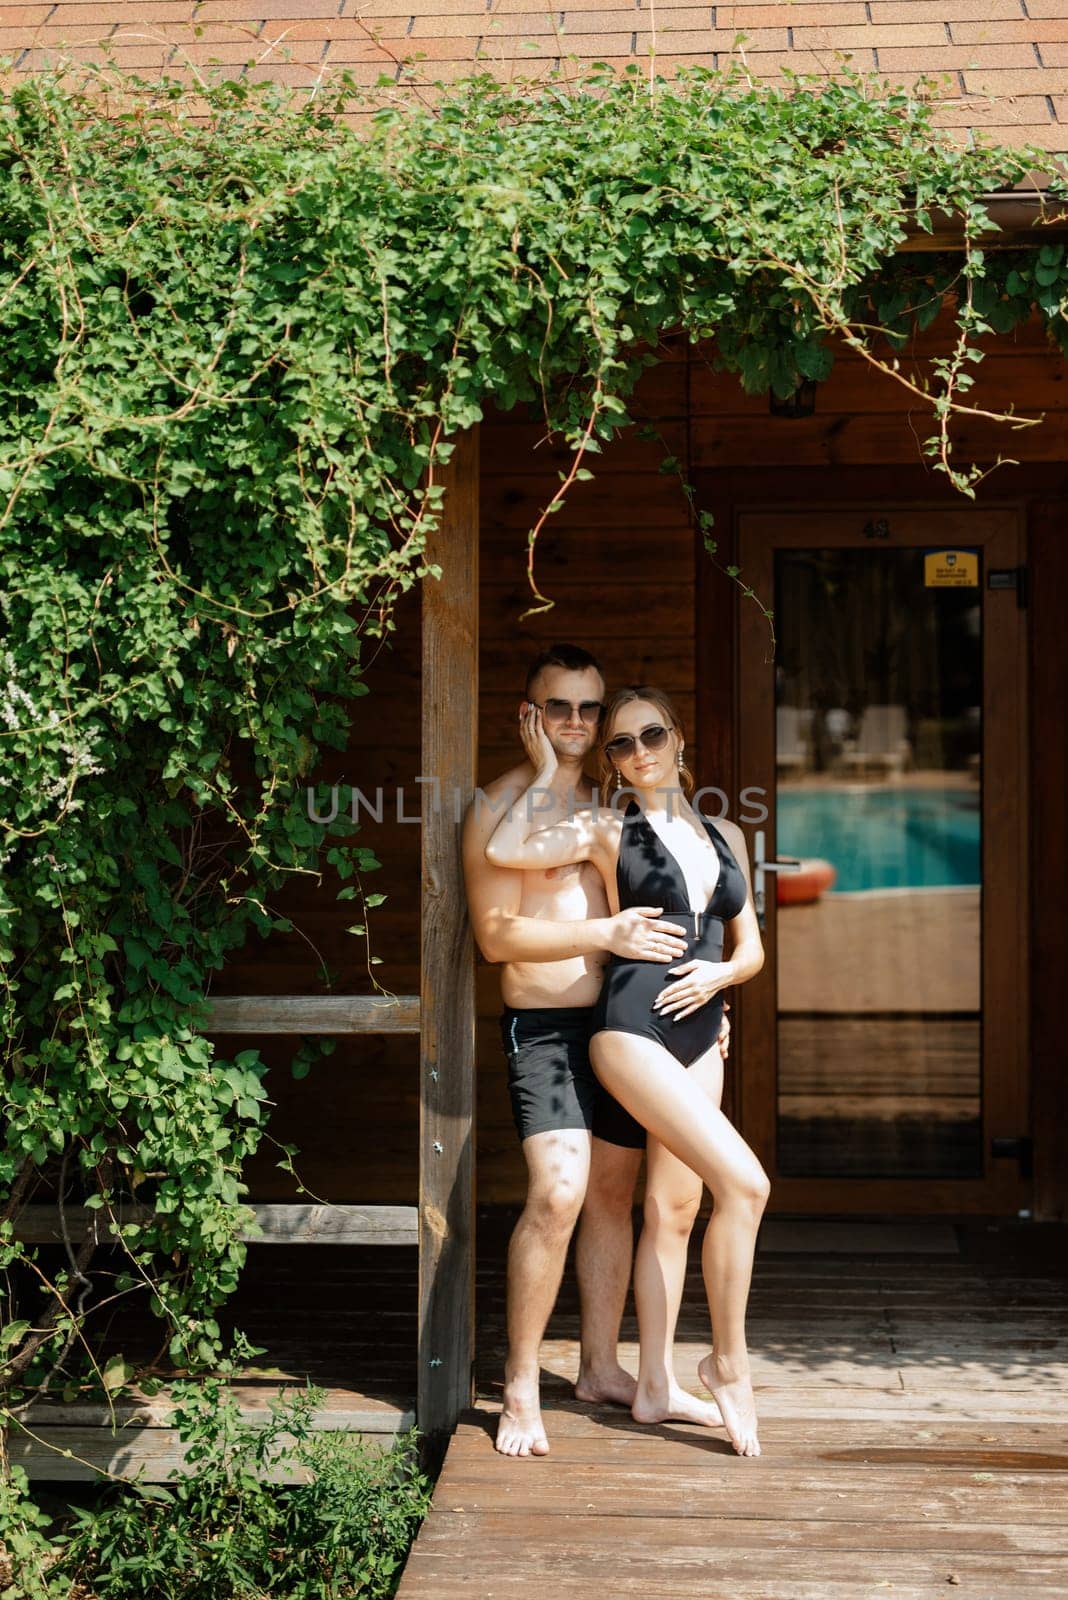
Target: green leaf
{"x": 116, "y": 1374}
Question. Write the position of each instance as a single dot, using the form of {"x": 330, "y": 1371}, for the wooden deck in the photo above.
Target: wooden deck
{"x": 912, "y": 1389}
{"x": 912, "y": 1382}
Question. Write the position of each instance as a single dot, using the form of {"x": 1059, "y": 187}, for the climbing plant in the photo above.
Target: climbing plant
{"x": 238, "y": 338}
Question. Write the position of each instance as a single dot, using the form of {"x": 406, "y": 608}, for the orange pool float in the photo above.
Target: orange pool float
{"x": 801, "y": 888}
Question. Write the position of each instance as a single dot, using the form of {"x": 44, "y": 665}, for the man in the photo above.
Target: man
{"x": 552, "y": 933}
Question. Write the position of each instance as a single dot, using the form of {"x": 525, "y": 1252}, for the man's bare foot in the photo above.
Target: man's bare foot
{"x": 733, "y": 1393}
{"x": 519, "y": 1427}
{"x": 613, "y": 1384}
{"x": 674, "y": 1405}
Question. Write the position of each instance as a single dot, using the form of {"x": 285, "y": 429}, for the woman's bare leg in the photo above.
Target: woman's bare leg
{"x": 672, "y": 1199}
{"x": 660, "y": 1092}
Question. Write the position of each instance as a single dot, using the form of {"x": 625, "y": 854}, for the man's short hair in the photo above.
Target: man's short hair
{"x": 571, "y": 657}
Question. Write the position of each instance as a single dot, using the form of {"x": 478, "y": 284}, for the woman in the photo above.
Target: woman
{"x": 654, "y": 1043}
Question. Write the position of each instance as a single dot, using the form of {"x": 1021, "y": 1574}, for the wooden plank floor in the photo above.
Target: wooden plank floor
{"x": 914, "y": 1422}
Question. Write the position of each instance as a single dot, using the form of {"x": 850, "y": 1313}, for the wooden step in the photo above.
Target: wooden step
{"x": 74, "y": 1442}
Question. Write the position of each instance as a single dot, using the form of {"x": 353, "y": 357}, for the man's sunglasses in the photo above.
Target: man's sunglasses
{"x": 560, "y": 711}
{"x": 654, "y": 737}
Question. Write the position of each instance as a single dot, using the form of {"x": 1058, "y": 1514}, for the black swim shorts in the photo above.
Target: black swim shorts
{"x": 550, "y": 1079}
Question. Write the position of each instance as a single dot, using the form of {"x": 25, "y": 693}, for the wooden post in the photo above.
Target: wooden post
{"x": 1049, "y": 857}
{"x": 447, "y": 1097}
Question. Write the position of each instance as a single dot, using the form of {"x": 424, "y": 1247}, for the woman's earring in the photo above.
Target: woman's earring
{"x": 678, "y": 758}
{"x": 619, "y": 779}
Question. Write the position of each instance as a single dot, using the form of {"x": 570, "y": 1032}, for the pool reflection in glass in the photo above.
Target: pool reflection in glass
{"x": 878, "y": 749}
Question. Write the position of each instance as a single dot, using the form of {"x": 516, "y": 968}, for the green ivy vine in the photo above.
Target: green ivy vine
{"x": 236, "y": 349}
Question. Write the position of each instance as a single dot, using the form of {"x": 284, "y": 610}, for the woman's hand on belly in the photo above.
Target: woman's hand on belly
{"x": 696, "y": 983}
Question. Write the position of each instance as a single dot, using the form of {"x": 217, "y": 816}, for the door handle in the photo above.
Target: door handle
{"x": 761, "y": 865}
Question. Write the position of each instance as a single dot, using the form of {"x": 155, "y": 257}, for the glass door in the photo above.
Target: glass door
{"x": 881, "y": 762}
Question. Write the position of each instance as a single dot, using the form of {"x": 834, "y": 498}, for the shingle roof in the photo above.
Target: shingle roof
{"x": 1006, "y": 61}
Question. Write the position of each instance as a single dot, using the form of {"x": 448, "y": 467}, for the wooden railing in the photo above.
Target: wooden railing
{"x": 275, "y": 1224}
{"x": 299, "y": 1013}
{"x": 285, "y": 1223}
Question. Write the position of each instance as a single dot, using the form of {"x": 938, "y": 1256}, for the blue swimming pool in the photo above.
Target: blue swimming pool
{"x": 885, "y": 838}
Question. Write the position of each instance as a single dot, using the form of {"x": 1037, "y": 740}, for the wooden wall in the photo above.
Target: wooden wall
{"x": 620, "y": 563}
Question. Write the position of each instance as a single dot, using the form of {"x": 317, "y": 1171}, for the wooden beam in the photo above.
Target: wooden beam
{"x": 1018, "y": 221}
{"x": 447, "y": 1097}
{"x": 277, "y": 1224}
{"x": 72, "y": 1443}
{"x": 946, "y": 240}
{"x": 1049, "y": 856}
{"x": 300, "y": 1013}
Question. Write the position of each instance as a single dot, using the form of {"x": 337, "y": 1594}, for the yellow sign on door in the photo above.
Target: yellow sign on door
{"x": 951, "y": 569}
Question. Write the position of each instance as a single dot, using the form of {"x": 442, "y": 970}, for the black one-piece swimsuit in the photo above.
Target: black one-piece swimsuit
{"x": 647, "y": 874}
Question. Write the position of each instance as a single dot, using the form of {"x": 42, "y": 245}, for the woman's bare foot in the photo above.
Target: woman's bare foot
{"x": 613, "y": 1384}
{"x": 673, "y": 1404}
{"x": 519, "y": 1428}
{"x": 733, "y": 1393}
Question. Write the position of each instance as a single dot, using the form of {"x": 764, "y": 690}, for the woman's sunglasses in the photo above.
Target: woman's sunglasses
{"x": 655, "y": 737}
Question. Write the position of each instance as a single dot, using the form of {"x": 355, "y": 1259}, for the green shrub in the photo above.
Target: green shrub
{"x": 27, "y": 1554}
{"x": 224, "y": 1530}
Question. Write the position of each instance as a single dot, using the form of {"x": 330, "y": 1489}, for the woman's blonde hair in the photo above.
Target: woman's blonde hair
{"x": 606, "y": 775}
